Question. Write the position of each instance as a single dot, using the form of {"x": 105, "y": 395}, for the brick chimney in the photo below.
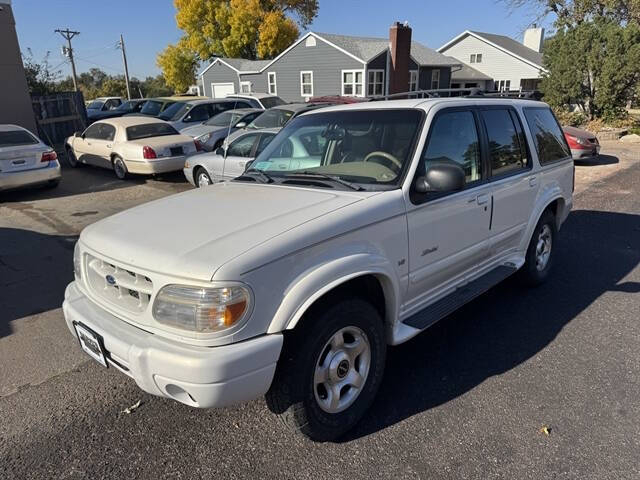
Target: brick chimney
{"x": 400, "y": 49}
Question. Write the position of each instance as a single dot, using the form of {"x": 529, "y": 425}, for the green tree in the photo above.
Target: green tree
{"x": 42, "y": 79}
{"x": 178, "y": 65}
{"x": 571, "y": 13}
{"x": 594, "y": 65}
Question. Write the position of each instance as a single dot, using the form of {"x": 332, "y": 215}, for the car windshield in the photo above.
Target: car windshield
{"x": 95, "y": 105}
{"x": 148, "y": 130}
{"x": 224, "y": 119}
{"x": 269, "y": 102}
{"x": 275, "y": 118}
{"x": 13, "y": 138}
{"x": 175, "y": 111}
{"x": 364, "y": 147}
{"x": 151, "y": 107}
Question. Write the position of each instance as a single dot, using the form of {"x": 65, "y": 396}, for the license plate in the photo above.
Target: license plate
{"x": 91, "y": 343}
{"x": 176, "y": 151}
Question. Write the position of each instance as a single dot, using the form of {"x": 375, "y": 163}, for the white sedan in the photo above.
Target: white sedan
{"x": 131, "y": 145}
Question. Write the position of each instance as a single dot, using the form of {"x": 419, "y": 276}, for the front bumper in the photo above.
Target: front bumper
{"x": 157, "y": 165}
{"x": 585, "y": 153}
{"x": 24, "y": 178}
{"x": 195, "y": 376}
{"x": 188, "y": 173}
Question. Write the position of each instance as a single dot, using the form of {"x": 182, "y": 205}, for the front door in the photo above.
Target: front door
{"x": 99, "y": 146}
{"x": 239, "y": 152}
{"x": 448, "y": 232}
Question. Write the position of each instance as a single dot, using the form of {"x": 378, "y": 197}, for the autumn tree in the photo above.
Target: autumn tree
{"x": 178, "y": 64}
{"x": 234, "y": 28}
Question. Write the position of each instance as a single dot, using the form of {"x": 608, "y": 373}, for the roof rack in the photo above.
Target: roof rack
{"x": 472, "y": 92}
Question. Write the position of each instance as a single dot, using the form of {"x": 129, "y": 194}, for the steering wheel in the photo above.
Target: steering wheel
{"x": 384, "y": 155}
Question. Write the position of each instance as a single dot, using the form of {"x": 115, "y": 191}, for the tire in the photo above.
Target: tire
{"x": 201, "y": 178}
{"x": 538, "y": 264}
{"x": 71, "y": 158}
{"x": 304, "y": 401}
{"x": 119, "y": 167}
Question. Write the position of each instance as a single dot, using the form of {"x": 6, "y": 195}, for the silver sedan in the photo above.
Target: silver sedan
{"x": 25, "y": 160}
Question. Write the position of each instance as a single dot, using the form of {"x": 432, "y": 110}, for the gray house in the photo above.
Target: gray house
{"x": 320, "y": 64}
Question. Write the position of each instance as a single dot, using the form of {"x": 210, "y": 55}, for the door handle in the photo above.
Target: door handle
{"x": 482, "y": 199}
{"x": 533, "y": 181}
{"x": 108, "y": 145}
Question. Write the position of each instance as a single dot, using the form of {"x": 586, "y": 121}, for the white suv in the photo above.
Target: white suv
{"x": 293, "y": 279}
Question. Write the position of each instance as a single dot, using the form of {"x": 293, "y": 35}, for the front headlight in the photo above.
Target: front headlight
{"x": 76, "y": 261}
{"x": 204, "y": 138}
{"x": 201, "y": 310}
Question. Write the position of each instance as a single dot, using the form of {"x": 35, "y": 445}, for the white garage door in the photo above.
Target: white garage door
{"x": 221, "y": 90}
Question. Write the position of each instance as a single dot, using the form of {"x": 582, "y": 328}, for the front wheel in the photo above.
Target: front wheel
{"x": 202, "y": 178}
{"x": 119, "y": 168}
{"x": 71, "y": 158}
{"x": 330, "y": 369}
{"x": 539, "y": 257}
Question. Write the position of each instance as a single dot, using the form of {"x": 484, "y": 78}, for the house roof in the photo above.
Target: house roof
{"x": 243, "y": 65}
{"x": 468, "y": 73}
{"x": 506, "y": 44}
{"x": 367, "y": 48}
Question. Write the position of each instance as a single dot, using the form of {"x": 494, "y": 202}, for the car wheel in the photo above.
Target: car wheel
{"x": 539, "y": 259}
{"x": 202, "y": 178}
{"x": 71, "y": 158}
{"x": 119, "y": 168}
{"x": 330, "y": 369}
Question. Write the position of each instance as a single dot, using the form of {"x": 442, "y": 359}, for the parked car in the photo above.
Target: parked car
{"x": 25, "y": 160}
{"x": 277, "y": 117}
{"x": 212, "y": 133}
{"x": 128, "y": 106}
{"x": 101, "y": 105}
{"x": 292, "y": 283}
{"x": 258, "y": 100}
{"x": 584, "y": 145}
{"x": 194, "y": 112}
{"x": 154, "y": 106}
{"x": 130, "y": 145}
{"x": 228, "y": 161}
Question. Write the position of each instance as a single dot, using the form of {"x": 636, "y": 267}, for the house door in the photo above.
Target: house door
{"x": 221, "y": 90}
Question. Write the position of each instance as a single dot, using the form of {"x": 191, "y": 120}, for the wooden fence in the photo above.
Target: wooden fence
{"x": 59, "y": 115}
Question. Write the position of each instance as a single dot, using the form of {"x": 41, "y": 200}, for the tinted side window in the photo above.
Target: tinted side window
{"x": 547, "y": 135}
{"x": 264, "y": 141}
{"x": 93, "y": 131}
{"x": 454, "y": 138}
{"x": 242, "y": 147}
{"x": 505, "y": 152}
{"x": 199, "y": 113}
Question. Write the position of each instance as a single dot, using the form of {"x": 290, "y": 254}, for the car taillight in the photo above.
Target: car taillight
{"x": 198, "y": 145}
{"x": 49, "y": 156}
{"x": 148, "y": 153}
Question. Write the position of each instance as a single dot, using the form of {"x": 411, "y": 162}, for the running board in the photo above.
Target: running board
{"x": 447, "y": 305}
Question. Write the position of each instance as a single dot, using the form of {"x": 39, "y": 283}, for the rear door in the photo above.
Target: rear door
{"x": 19, "y": 150}
{"x": 513, "y": 184}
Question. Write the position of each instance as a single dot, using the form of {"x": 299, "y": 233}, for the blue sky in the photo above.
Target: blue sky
{"x": 149, "y": 25}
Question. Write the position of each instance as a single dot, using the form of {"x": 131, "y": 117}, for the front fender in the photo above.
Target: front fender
{"x": 313, "y": 284}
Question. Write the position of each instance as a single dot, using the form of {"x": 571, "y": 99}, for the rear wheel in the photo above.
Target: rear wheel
{"x": 119, "y": 168}
{"x": 330, "y": 369}
{"x": 202, "y": 178}
{"x": 539, "y": 257}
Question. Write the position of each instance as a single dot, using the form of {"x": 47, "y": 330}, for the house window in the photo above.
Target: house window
{"x": 479, "y": 58}
{"x": 503, "y": 85}
{"x": 352, "y": 83}
{"x": 435, "y": 79}
{"x": 473, "y": 58}
{"x": 245, "y": 87}
{"x": 476, "y": 58}
{"x": 413, "y": 80}
{"x": 273, "y": 89}
{"x": 375, "y": 82}
{"x": 306, "y": 84}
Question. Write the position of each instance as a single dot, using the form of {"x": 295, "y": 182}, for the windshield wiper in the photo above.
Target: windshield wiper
{"x": 265, "y": 177}
{"x": 333, "y": 178}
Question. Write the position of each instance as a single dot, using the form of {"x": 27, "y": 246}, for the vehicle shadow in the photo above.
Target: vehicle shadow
{"x": 509, "y": 324}
{"x": 598, "y": 161}
{"x": 35, "y": 268}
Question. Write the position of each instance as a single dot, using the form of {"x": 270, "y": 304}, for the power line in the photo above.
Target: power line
{"x": 68, "y": 35}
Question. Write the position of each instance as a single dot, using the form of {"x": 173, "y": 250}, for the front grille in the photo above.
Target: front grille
{"x": 120, "y": 286}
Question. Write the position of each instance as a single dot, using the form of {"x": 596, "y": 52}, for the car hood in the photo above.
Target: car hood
{"x": 192, "y": 234}
{"x": 197, "y": 130}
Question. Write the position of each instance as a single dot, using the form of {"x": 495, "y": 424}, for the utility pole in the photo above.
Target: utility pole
{"x": 126, "y": 69}
{"x": 68, "y": 35}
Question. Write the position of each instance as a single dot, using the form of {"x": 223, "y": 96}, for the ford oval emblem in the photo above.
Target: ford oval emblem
{"x": 110, "y": 280}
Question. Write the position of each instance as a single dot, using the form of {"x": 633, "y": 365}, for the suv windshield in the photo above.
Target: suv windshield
{"x": 269, "y": 102}
{"x": 275, "y": 118}
{"x": 175, "y": 111}
{"x": 95, "y": 105}
{"x": 151, "y": 107}
{"x": 367, "y": 147}
{"x": 224, "y": 119}
{"x": 148, "y": 130}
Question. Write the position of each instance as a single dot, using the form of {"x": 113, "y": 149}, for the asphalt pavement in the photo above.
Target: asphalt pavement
{"x": 519, "y": 384}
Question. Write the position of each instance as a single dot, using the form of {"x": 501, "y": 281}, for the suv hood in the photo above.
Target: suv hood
{"x": 191, "y": 234}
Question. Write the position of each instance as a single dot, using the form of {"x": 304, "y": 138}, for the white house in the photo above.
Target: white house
{"x": 510, "y": 64}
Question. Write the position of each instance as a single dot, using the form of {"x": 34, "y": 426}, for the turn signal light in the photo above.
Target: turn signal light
{"x": 49, "y": 156}
{"x": 148, "y": 153}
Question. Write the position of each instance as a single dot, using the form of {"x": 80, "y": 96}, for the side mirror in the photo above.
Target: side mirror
{"x": 241, "y": 124}
{"x": 220, "y": 151}
{"x": 441, "y": 177}
{"x": 77, "y": 134}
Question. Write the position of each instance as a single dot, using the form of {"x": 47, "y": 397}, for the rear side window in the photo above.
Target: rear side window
{"x": 14, "y": 138}
{"x": 547, "y": 135}
{"x": 506, "y": 152}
